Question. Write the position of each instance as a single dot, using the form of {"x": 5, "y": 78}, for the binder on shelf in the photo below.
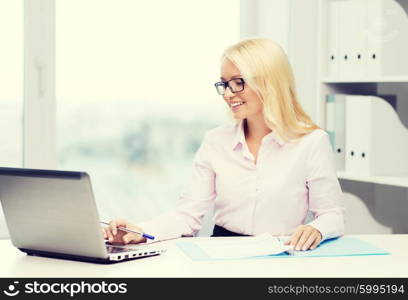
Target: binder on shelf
{"x": 374, "y": 37}
{"x": 352, "y": 39}
{"x": 335, "y": 127}
{"x": 333, "y": 51}
{"x": 376, "y": 139}
{"x": 387, "y": 34}
{"x": 345, "y": 40}
{"x": 358, "y": 131}
{"x": 358, "y": 52}
{"x": 370, "y": 38}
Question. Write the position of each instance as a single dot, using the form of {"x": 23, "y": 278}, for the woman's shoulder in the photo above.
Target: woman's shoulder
{"x": 316, "y": 136}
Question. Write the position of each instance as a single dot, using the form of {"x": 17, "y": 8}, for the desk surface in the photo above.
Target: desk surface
{"x": 174, "y": 263}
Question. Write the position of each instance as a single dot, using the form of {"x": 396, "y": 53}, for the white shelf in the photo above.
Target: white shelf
{"x": 401, "y": 181}
{"x": 358, "y": 80}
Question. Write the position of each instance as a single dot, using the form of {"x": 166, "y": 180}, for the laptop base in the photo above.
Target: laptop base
{"x": 40, "y": 253}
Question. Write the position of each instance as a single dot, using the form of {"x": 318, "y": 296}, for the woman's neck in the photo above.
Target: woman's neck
{"x": 255, "y": 129}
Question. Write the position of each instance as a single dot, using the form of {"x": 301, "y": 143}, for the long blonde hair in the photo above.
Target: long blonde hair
{"x": 266, "y": 69}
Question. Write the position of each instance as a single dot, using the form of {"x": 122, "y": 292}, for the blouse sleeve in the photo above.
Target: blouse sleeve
{"x": 186, "y": 218}
{"x": 324, "y": 192}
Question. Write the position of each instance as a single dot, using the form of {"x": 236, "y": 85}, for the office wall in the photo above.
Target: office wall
{"x": 265, "y": 18}
{"x": 292, "y": 24}
{"x": 302, "y": 41}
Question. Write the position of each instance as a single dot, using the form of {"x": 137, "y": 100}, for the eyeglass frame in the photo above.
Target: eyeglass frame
{"x": 226, "y": 85}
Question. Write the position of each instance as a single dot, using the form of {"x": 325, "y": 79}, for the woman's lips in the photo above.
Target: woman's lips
{"x": 236, "y": 105}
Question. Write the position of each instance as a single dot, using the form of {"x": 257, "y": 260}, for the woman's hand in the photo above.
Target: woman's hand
{"x": 304, "y": 238}
{"x": 117, "y": 236}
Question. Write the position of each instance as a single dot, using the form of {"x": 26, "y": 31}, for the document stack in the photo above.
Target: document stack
{"x": 370, "y": 131}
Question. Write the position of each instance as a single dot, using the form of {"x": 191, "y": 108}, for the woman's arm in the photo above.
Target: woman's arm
{"x": 324, "y": 195}
{"x": 186, "y": 218}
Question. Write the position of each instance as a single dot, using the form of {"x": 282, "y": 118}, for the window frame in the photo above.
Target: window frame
{"x": 39, "y": 112}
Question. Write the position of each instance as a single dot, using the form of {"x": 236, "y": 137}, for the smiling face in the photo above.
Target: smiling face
{"x": 245, "y": 104}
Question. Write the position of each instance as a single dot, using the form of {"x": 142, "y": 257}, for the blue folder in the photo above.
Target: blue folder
{"x": 343, "y": 246}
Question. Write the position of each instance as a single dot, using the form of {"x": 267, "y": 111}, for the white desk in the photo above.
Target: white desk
{"x": 174, "y": 263}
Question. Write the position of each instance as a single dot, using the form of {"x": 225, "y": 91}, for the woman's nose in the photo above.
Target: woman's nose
{"x": 228, "y": 94}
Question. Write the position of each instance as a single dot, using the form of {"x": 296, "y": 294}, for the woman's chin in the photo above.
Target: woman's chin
{"x": 238, "y": 116}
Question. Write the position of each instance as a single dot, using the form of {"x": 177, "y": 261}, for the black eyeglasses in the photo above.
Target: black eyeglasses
{"x": 235, "y": 85}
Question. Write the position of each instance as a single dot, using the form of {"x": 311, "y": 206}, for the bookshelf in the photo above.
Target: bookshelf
{"x": 362, "y": 80}
{"x": 395, "y": 79}
{"x": 400, "y": 181}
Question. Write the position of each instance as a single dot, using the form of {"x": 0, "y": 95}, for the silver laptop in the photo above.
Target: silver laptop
{"x": 53, "y": 213}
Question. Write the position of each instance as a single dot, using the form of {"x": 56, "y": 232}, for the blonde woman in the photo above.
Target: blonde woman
{"x": 262, "y": 174}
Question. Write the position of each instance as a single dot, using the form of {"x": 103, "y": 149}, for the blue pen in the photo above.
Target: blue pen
{"x": 145, "y": 235}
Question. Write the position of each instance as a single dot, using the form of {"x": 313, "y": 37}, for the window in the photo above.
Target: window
{"x": 11, "y": 89}
{"x": 135, "y": 95}
{"x": 11, "y": 83}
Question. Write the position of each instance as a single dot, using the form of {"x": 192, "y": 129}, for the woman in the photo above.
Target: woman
{"x": 265, "y": 172}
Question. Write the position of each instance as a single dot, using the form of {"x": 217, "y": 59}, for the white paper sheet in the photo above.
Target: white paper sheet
{"x": 263, "y": 244}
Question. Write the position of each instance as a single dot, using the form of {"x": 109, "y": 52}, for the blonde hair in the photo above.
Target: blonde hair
{"x": 266, "y": 69}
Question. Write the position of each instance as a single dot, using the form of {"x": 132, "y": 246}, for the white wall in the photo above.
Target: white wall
{"x": 303, "y": 51}
{"x": 265, "y": 18}
{"x": 292, "y": 24}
